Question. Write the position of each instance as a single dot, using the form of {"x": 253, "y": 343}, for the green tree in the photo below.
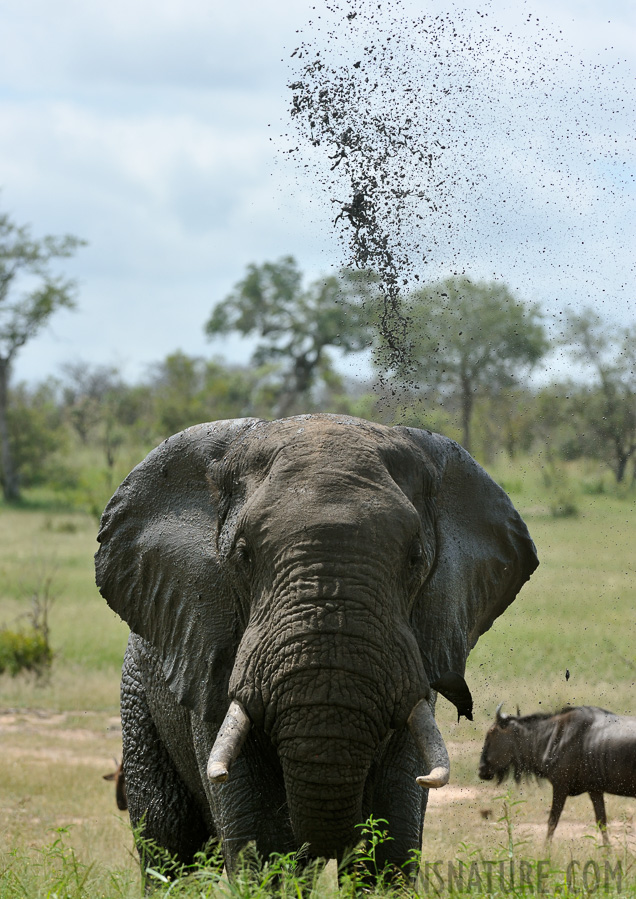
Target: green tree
{"x": 26, "y": 262}
{"x": 505, "y": 420}
{"x": 606, "y": 407}
{"x": 187, "y": 390}
{"x": 100, "y": 407}
{"x": 554, "y": 423}
{"x": 471, "y": 339}
{"x": 85, "y": 393}
{"x": 296, "y": 325}
{"x": 177, "y": 389}
{"x": 236, "y": 391}
{"x": 37, "y": 433}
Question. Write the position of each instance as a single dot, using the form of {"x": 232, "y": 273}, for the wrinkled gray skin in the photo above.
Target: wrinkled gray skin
{"x": 323, "y": 571}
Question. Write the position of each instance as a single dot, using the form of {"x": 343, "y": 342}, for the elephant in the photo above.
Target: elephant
{"x": 298, "y": 593}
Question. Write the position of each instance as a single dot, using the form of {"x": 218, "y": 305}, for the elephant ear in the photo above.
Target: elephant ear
{"x": 157, "y": 563}
{"x": 484, "y": 555}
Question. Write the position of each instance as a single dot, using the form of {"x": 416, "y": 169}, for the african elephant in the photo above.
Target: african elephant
{"x": 298, "y": 591}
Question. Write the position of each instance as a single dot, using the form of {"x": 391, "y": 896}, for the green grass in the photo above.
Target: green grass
{"x": 87, "y": 638}
{"x": 577, "y": 612}
{"x": 60, "y": 735}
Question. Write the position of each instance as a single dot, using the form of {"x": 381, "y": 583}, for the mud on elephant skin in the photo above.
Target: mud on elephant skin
{"x": 298, "y": 592}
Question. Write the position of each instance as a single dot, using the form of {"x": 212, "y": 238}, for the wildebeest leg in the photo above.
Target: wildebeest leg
{"x": 558, "y": 801}
{"x": 598, "y": 802}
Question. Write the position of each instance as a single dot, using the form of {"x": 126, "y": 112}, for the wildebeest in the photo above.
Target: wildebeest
{"x": 581, "y": 749}
{"x": 120, "y": 785}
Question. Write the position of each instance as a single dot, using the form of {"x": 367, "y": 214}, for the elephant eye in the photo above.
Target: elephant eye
{"x": 416, "y": 553}
{"x": 241, "y": 551}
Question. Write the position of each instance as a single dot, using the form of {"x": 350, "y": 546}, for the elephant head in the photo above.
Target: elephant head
{"x": 318, "y": 575}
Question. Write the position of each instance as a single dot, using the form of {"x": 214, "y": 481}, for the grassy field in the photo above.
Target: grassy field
{"x": 60, "y": 735}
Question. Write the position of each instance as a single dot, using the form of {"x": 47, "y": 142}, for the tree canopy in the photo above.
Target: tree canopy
{"x": 469, "y": 339}
{"x": 26, "y": 263}
{"x": 606, "y": 407}
{"x": 473, "y": 346}
{"x": 296, "y": 325}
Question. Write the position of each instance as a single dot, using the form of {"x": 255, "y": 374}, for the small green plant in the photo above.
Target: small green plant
{"x": 374, "y": 835}
{"x": 29, "y": 648}
{"x": 594, "y": 488}
{"x": 512, "y": 485}
{"x": 289, "y": 876}
{"x": 561, "y": 493}
{"x": 364, "y": 871}
{"x": 25, "y": 650}
{"x": 508, "y": 810}
{"x": 60, "y": 526}
{"x": 55, "y": 872}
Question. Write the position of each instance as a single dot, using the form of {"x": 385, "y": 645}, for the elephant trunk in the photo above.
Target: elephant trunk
{"x": 325, "y": 753}
{"x": 328, "y": 678}
{"x": 327, "y": 723}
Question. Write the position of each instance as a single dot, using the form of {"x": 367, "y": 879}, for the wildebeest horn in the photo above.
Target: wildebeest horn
{"x": 430, "y": 743}
{"x": 518, "y": 712}
{"x": 498, "y": 714}
{"x": 230, "y": 738}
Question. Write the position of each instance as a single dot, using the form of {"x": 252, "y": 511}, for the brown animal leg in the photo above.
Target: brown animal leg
{"x": 558, "y": 801}
{"x": 598, "y": 802}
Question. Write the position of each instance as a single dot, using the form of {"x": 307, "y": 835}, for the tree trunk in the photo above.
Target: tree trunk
{"x": 621, "y": 465}
{"x": 467, "y": 413}
{"x": 623, "y": 453}
{"x": 10, "y": 484}
{"x": 285, "y": 403}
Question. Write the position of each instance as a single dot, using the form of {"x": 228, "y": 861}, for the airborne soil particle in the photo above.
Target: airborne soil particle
{"x": 435, "y": 137}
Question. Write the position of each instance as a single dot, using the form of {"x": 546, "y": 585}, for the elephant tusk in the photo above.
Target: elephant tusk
{"x": 230, "y": 738}
{"x": 430, "y": 743}
{"x": 433, "y": 781}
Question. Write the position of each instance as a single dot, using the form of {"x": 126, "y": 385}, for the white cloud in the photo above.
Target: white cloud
{"x": 153, "y": 130}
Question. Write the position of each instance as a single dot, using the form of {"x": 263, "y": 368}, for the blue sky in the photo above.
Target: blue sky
{"x": 156, "y": 131}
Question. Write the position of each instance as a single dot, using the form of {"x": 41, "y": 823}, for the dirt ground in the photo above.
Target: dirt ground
{"x": 484, "y": 816}
{"x": 51, "y": 783}
{"x": 52, "y": 779}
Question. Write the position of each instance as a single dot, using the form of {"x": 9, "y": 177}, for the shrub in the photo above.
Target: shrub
{"x": 561, "y": 492}
{"x": 27, "y": 650}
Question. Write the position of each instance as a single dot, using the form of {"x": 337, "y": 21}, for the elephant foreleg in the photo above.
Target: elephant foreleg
{"x": 163, "y": 811}
{"x": 394, "y": 797}
{"x": 250, "y": 808}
